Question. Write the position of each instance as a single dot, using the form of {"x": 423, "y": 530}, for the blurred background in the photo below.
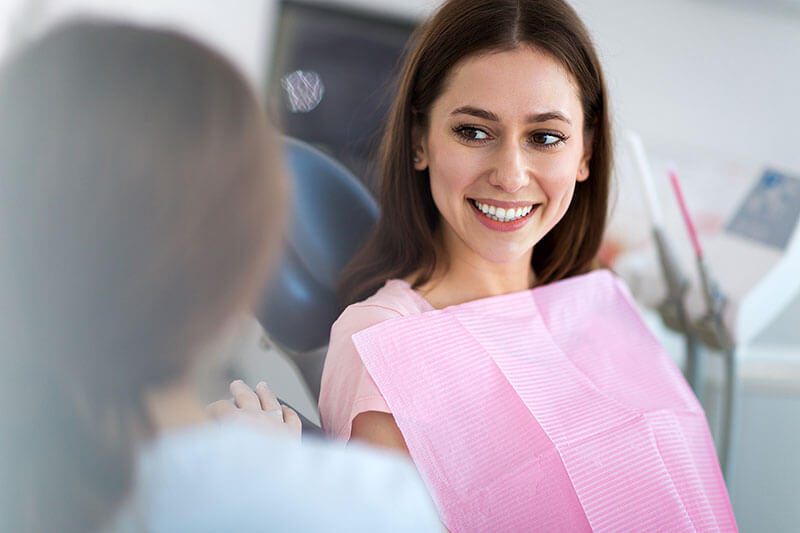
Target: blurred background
{"x": 710, "y": 86}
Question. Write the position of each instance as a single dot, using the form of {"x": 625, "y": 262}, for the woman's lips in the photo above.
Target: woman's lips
{"x": 498, "y": 218}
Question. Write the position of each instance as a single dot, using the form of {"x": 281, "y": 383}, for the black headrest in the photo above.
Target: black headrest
{"x": 331, "y": 216}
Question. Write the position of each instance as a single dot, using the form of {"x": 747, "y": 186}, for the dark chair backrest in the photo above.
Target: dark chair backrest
{"x": 332, "y": 214}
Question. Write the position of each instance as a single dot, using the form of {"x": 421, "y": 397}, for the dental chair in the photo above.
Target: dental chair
{"x": 332, "y": 214}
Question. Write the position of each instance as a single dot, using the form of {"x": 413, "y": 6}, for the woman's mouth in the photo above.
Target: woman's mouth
{"x": 503, "y": 214}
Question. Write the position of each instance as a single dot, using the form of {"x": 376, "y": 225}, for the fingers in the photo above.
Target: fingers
{"x": 244, "y": 396}
{"x": 292, "y": 421}
{"x": 269, "y": 402}
{"x": 259, "y": 406}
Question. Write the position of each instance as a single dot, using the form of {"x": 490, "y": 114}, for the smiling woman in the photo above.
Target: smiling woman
{"x": 483, "y": 43}
{"x": 505, "y": 136}
{"x": 496, "y": 164}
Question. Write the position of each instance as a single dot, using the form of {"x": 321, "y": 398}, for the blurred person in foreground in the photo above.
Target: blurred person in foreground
{"x": 140, "y": 205}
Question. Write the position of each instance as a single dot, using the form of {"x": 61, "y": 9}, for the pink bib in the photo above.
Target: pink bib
{"x": 553, "y": 409}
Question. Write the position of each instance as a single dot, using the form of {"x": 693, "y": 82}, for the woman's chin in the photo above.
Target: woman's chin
{"x": 506, "y": 256}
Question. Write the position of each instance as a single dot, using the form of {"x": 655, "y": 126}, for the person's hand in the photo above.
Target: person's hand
{"x": 259, "y": 406}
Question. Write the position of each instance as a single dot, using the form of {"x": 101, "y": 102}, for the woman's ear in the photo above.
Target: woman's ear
{"x": 583, "y": 175}
{"x": 418, "y": 147}
{"x": 583, "y": 168}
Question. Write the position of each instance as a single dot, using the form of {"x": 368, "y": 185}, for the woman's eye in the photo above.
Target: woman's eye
{"x": 547, "y": 139}
{"x": 472, "y": 134}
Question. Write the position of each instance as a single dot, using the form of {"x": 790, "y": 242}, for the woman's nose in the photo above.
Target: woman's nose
{"x": 510, "y": 172}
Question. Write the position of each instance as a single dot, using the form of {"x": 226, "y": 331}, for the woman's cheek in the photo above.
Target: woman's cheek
{"x": 455, "y": 176}
{"x": 559, "y": 191}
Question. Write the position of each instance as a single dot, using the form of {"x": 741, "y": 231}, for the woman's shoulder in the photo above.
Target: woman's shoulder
{"x": 395, "y": 299}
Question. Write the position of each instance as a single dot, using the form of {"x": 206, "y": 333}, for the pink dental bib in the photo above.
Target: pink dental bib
{"x": 553, "y": 409}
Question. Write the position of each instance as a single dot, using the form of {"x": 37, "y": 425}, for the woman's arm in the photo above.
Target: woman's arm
{"x": 378, "y": 429}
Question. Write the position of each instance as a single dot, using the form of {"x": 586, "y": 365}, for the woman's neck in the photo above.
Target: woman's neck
{"x": 464, "y": 278}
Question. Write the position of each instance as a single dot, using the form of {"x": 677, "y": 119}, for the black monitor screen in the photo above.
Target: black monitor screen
{"x": 333, "y": 77}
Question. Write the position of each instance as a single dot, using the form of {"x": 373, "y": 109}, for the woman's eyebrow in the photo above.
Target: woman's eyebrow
{"x": 548, "y": 115}
{"x": 488, "y": 115}
{"x": 475, "y": 112}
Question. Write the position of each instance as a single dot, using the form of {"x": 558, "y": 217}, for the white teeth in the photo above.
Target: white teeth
{"x": 501, "y": 214}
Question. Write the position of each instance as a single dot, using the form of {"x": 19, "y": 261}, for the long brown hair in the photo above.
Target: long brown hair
{"x": 403, "y": 242}
{"x": 137, "y": 196}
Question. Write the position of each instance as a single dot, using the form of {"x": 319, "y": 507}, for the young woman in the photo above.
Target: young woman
{"x": 501, "y": 104}
{"x": 495, "y": 168}
{"x": 140, "y": 203}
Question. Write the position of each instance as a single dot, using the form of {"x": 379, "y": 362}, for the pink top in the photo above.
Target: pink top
{"x": 347, "y": 388}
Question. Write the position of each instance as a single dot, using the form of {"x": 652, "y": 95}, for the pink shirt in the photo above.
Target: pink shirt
{"x": 347, "y": 388}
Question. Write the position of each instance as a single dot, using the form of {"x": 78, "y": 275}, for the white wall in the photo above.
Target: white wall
{"x": 704, "y": 75}
{"x": 238, "y": 32}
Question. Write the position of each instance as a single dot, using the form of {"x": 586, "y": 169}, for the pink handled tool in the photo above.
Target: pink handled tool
{"x": 687, "y": 218}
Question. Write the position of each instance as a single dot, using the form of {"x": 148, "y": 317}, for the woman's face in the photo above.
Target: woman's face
{"x": 504, "y": 148}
